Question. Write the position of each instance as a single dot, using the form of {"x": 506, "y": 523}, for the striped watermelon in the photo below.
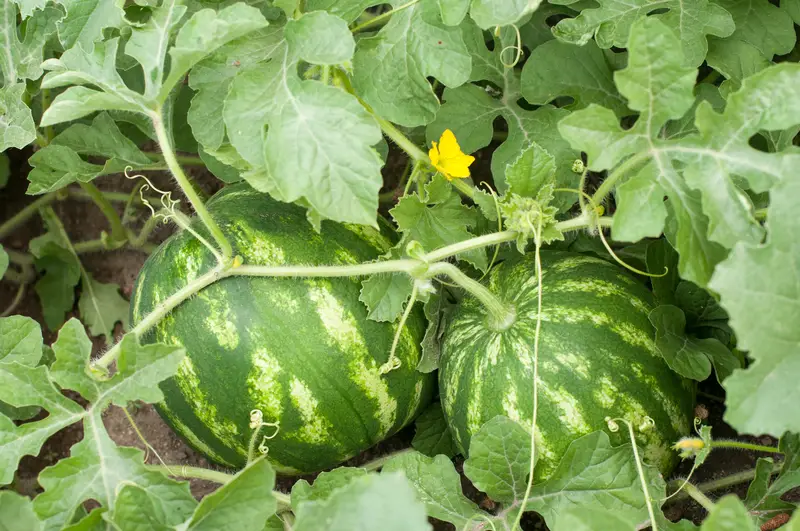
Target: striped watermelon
{"x": 597, "y": 358}
{"x": 300, "y": 350}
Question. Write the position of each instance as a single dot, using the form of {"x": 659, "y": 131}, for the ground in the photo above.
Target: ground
{"x": 83, "y": 221}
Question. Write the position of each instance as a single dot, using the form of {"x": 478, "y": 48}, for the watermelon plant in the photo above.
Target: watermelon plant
{"x": 556, "y": 237}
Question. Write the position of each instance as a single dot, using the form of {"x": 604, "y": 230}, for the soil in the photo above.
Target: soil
{"x": 83, "y": 221}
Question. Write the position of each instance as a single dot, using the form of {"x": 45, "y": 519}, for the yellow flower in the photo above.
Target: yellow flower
{"x": 448, "y": 158}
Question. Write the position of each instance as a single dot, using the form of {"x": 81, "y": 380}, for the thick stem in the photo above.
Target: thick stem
{"x": 501, "y": 315}
{"x": 698, "y": 496}
{"x": 14, "y": 303}
{"x": 611, "y": 181}
{"x": 188, "y": 189}
{"x": 463, "y": 187}
{"x": 25, "y": 214}
{"x": 185, "y": 160}
{"x": 19, "y": 258}
{"x": 161, "y": 310}
{"x": 118, "y": 234}
{"x": 383, "y": 16}
{"x": 402, "y": 140}
{"x": 722, "y": 483}
{"x": 744, "y": 446}
{"x": 358, "y": 270}
{"x": 377, "y": 464}
{"x": 648, "y": 500}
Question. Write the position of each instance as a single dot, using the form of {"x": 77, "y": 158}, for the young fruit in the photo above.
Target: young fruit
{"x": 301, "y": 351}
{"x": 597, "y": 359}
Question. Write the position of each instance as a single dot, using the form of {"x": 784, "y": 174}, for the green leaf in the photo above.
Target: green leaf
{"x": 17, "y": 129}
{"x": 390, "y": 69}
{"x": 499, "y": 459}
{"x": 662, "y": 260}
{"x": 595, "y": 475}
{"x": 729, "y": 513}
{"x": 349, "y": 10}
{"x": 211, "y": 78}
{"x": 136, "y": 509}
{"x": 433, "y": 437}
{"x": 437, "y": 485}
{"x": 224, "y": 172}
{"x": 383, "y": 501}
{"x": 438, "y": 220}
{"x": 94, "y": 521}
{"x": 72, "y": 351}
{"x": 55, "y": 167}
{"x": 490, "y": 13}
{"x": 736, "y": 59}
{"x": 20, "y": 340}
{"x": 102, "y": 307}
{"x": 470, "y": 112}
{"x": 533, "y": 169}
{"x": 756, "y": 283}
{"x": 583, "y": 73}
{"x": 792, "y": 7}
{"x": 22, "y": 386}
{"x": 203, "y": 33}
{"x": 244, "y": 503}
{"x": 453, "y": 11}
{"x": 325, "y": 485}
{"x": 3, "y": 262}
{"x": 56, "y": 289}
{"x": 320, "y": 38}
{"x": 760, "y": 24}
{"x": 437, "y": 308}
{"x": 593, "y": 520}
{"x": 16, "y": 513}
{"x": 764, "y": 493}
{"x": 86, "y": 20}
{"x": 386, "y": 295}
{"x": 22, "y": 59}
{"x": 611, "y": 23}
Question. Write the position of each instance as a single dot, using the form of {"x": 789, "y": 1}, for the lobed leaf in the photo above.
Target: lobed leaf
{"x": 728, "y": 513}
{"x": 320, "y": 38}
{"x": 102, "y": 307}
{"x": 324, "y": 486}
{"x": 490, "y": 13}
{"x": 16, "y": 513}
{"x": 17, "y": 129}
{"x": 85, "y": 21}
{"x": 433, "y": 437}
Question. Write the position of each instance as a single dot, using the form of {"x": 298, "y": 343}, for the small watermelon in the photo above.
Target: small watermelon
{"x": 301, "y": 351}
{"x": 597, "y": 359}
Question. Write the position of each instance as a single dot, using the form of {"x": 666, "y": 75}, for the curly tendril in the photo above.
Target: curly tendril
{"x": 517, "y": 46}
{"x": 167, "y": 202}
{"x": 257, "y": 423}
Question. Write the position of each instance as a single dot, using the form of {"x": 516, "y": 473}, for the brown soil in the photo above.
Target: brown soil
{"x": 83, "y": 221}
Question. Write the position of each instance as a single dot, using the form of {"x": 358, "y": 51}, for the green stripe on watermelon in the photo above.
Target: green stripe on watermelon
{"x": 597, "y": 358}
{"x": 300, "y": 350}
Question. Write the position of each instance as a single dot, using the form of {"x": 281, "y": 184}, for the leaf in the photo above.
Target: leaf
{"x": 92, "y": 522}
{"x": 792, "y": 7}
{"x": 86, "y": 20}
{"x": 320, "y": 38}
{"x": 102, "y": 139}
{"x": 593, "y": 520}
{"x": 203, "y": 33}
{"x": 16, "y": 513}
{"x": 72, "y": 350}
{"x": 20, "y": 340}
{"x": 662, "y": 260}
{"x": 385, "y": 295}
{"x": 490, "y": 13}
{"x": 469, "y": 111}
{"x": 22, "y": 386}
{"x": 433, "y": 437}
{"x": 764, "y": 493}
{"x": 499, "y": 459}
{"x": 439, "y": 220}
{"x": 736, "y": 59}
{"x": 55, "y": 167}
{"x": 757, "y": 285}
{"x": 101, "y": 307}
{"x": 611, "y": 23}
{"x": 658, "y": 85}
{"x": 22, "y": 59}
{"x": 729, "y": 513}
{"x": 583, "y": 73}
{"x": 437, "y": 485}
{"x": 453, "y": 11}
{"x": 135, "y": 509}
{"x": 211, "y": 78}
{"x": 17, "y": 129}
{"x": 383, "y": 501}
{"x": 244, "y": 503}
{"x": 437, "y": 310}
{"x": 594, "y": 475}
{"x": 3, "y": 262}
{"x": 533, "y": 169}
{"x": 56, "y": 289}
{"x": 762, "y": 25}
{"x": 684, "y": 355}
{"x": 325, "y": 485}
{"x": 349, "y": 10}
{"x": 390, "y": 69}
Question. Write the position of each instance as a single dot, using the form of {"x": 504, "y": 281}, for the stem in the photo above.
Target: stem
{"x": 501, "y": 315}
{"x": 194, "y": 472}
{"x": 698, "y": 496}
{"x": 383, "y": 16}
{"x": 377, "y": 464}
{"x": 608, "y": 184}
{"x": 90, "y": 246}
{"x": 468, "y": 245}
{"x": 463, "y": 187}
{"x": 118, "y": 197}
{"x": 117, "y": 230}
{"x": 760, "y": 214}
{"x": 19, "y": 258}
{"x": 402, "y": 141}
{"x": 25, "y": 214}
{"x": 744, "y": 446}
{"x": 188, "y": 189}
{"x": 722, "y": 483}
{"x": 358, "y": 270}
{"x": 17, "y": 299}
{"x": 648, "y": 500}
{"x": 186, "y": 160}
{"x": 162, "y": 310}
{"x": 326, "y": 75}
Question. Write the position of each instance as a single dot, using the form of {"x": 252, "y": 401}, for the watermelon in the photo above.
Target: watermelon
{"x": 597, "y": 359}
{"x": 299, "y": 350}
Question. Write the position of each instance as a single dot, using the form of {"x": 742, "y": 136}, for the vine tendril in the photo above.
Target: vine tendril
{"x": 167, "y": 202}
{"x": 516, "y": 46}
